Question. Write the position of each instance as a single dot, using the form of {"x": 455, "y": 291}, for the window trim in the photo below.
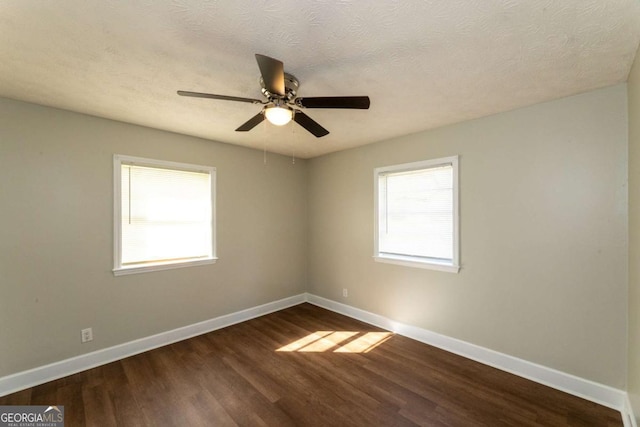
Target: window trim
{"x": 416, "y": 261}
{"x": 118, "y": 268}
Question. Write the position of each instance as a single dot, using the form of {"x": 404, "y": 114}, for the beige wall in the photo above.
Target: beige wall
{"x": 544, "y": 235}
{"x": 543, "y": 222}
{"x": 56, "y": 236}
{"x": 633, "y": 376}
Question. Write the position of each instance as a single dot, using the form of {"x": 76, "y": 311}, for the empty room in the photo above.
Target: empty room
{"x": 320, "y": 212}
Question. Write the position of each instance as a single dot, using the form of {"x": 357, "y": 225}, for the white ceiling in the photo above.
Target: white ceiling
{"x": 424, "y": 63}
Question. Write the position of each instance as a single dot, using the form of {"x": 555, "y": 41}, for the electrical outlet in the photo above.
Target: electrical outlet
{"x": 87, "y": 335}
{"x": 345, "y": 292}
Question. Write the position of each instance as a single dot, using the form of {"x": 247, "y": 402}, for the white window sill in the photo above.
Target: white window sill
{"x": 417, "y": 262}
{"x": 159, "y": 267}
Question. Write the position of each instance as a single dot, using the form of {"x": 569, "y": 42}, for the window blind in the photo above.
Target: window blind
{"x": 166, "y": 215}
{"x": 416, "y": 213}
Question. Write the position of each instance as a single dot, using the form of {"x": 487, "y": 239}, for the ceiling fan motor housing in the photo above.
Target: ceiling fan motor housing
{"x": 291, "y": 85}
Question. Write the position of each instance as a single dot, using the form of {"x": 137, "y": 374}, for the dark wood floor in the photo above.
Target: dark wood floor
{"x": 306, "y": 366}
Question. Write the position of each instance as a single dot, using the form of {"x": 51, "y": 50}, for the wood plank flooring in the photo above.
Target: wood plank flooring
{"x": 306, "y": 366}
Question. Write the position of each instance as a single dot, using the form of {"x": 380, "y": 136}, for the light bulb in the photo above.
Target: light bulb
{"x": 278, "y": 115}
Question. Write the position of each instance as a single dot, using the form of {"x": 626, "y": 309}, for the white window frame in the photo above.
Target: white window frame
{"x": 416, "y": 261}
{"x": 118, "y": 268}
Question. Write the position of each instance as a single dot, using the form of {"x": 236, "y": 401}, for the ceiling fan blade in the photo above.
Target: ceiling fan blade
{"x": 359, "y": 102}
{"x": 223, "y": 97}
{"x": 251, "y": 123}
{"x": 272, "y": 72}
{"x": 309, "y": 124}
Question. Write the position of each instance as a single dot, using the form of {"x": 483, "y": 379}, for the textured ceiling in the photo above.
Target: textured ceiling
{"x": 423, "y": 63}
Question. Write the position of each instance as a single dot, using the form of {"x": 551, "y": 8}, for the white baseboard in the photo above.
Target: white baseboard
{"x": 628, "y": 417}
{"x": 598, "y": 393}
{"x": 22, "y": 380}
{"x": 586, "y": 389}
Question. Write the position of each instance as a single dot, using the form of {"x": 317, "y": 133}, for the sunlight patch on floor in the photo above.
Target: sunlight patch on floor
{"x": 338, "y": 342}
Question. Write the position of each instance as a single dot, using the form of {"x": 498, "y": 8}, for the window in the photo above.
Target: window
{"x": 164, "y": 215}
{"x": 416, "y": 214}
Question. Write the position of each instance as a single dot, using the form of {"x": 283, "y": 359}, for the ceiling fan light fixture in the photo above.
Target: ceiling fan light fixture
{"x": 278, "y": 116}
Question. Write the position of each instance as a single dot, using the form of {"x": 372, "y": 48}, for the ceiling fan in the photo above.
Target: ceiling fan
{"x": 282, "y": 105}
